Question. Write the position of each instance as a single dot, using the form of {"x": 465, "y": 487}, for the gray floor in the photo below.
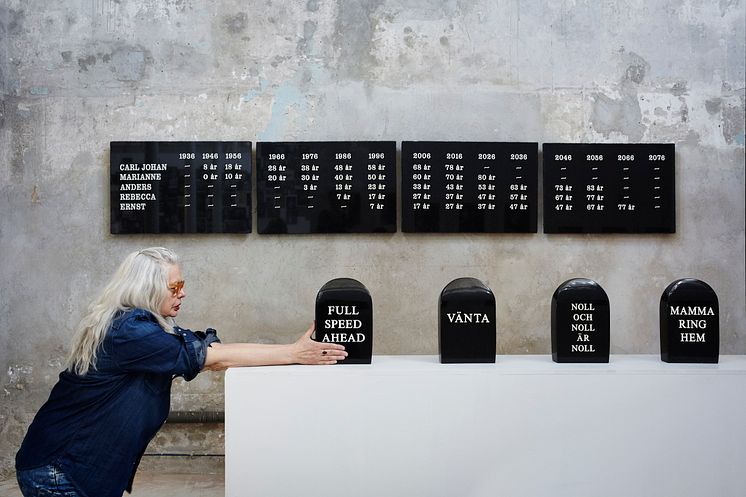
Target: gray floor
{"x": 156, "y": 485}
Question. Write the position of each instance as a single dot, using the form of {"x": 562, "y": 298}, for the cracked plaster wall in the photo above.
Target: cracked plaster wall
{"x": 76, "y": 76}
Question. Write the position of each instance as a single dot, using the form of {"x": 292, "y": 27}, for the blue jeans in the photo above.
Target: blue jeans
{"x": 46, "y": 481}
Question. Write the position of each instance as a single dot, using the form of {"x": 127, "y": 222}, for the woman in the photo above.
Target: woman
{"x": 87, "y": 439}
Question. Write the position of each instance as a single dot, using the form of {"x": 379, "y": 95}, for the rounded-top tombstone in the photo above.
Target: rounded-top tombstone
{"x": 580, "y": 322}
{"x": 466, "y": 324}
{"x": 344, "y": 315}
{"x": 690, "y": 322}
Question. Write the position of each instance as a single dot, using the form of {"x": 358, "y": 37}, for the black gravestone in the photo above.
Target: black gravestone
{"x": 466, "y": 324}
{"x": 690, "y": 327}
{"x": 344, "y": 315}
{"x": 580, "y": 322}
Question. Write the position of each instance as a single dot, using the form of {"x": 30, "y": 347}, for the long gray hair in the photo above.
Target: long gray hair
{"x": 140, "y": 281}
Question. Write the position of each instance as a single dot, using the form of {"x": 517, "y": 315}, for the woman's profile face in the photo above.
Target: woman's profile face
{"x": 172, "y": 302}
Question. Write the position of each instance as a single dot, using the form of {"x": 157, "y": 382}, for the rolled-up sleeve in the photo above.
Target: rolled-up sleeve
{"x": 141, "y": 345}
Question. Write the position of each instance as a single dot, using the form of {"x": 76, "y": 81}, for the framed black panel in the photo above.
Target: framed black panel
{"x": 469, "y": 187}
{"x": 326, "y": 187}
{"x": 180, "y": 187}
{"x": 609, "y": 188}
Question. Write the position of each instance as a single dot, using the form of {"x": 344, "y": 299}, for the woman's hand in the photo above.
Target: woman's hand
{"x": 308, "y": 351}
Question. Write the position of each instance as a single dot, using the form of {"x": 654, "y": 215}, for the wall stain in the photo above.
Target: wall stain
{"x": 11, "y": 21}
{"x": 127, "y": 62}
{"x": 726, "y": 5}
{"x": 409, "y": 37}
{"x": 85, "y": 62}
{"x": 237, "y": 23}
{"x": 19, "y": 128}
{"x": 679, "y": 88}
{"x": 353, "y": 40}
{"x": 713, "y": 105}
{"x": 637, "y": 68}
{"x": 179, "y": 5}
{"x": 684, "y": 110}
{"x": 277, "y": 60}
{"x": 304, "y": 44}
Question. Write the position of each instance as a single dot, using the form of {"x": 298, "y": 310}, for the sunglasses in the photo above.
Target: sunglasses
{"x": 176, "y": 287}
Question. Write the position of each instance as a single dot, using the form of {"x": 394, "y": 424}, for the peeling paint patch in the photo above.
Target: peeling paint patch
{"x": 668, "y": 117}
{"x": 35, "y": 199}
{"x": 620, "y": 115}
{"x": 19, "y": 376}
{"x": 288, "y": 100}
{"x": 289, "y": 106}
{"x": 733, "y": 124}
{"x": 39, "y": 90}
{"x": 252, "y": 94}
{"x": 23, "y": 111}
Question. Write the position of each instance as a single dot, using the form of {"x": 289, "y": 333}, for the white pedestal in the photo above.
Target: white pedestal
{"x": 409, "y": 426}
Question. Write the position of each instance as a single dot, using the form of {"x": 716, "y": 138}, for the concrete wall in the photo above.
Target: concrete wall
{"x": 76, "y": 75}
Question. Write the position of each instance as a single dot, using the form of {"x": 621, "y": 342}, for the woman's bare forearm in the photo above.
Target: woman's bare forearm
{"x": 304, "y": 351}
{"x": 222, "y": 356}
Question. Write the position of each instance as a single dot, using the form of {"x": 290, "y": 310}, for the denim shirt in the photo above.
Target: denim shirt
{"x": 96, "y": 427}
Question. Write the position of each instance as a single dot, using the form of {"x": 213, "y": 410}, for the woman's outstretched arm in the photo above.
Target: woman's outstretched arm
{"x": 304, "y": 351}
